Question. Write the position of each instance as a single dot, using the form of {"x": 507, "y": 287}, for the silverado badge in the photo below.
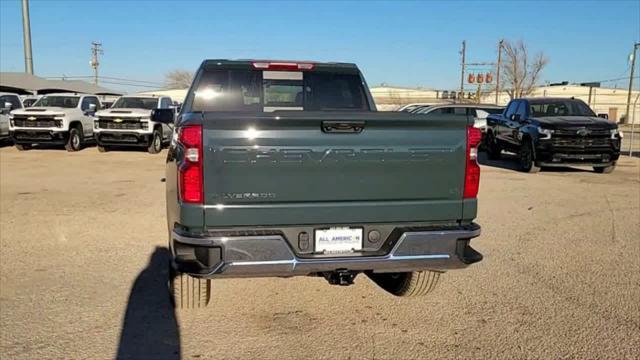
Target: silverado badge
{"x": 118, "y": 120}
{"x": 32, "y": 118}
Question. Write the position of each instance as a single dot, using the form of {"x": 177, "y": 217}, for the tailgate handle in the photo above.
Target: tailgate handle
{"x": 343, "y": 127}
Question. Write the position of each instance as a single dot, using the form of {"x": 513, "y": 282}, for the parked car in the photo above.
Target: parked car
{"x": 554, "y": 132}
{"x": 479, "y": 112}
{"x": 63, "y": 118}
{"x": 128, "y": 123}
{"x": 9, "y": 102}
{"x": 482, "y": 111}
{"x": 287, "y": 169}
{"x": 417, "y": 107}
{"x": 410, "y": 107}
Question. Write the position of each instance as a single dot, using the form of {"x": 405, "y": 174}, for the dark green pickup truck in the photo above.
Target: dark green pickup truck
{"x": 286, "y": 168}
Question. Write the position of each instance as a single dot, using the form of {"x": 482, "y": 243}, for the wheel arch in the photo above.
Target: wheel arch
{"x": 75, "y": 124}
{"x": 528, "y": 137}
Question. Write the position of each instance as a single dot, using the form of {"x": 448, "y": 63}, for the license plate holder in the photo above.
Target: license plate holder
{"x": 338, "y": 240}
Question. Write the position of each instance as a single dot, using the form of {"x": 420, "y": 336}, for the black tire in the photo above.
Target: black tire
{"x": 188, "y": 292}
{"x": 6, "y": 142}
{"x": 23, "y": 147}
{"x": 604, "y": 169}
{"x": 493, "y": 149}
{"x": 74, "y": 143}
{"x": 407, "y": 284}
{"x": 155, "y": 145}
{"x": 526, "y": 157}
{"x": 103, "y": 149}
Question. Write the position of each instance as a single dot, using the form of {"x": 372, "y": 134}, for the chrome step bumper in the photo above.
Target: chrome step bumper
{"x": 270, "y": 255}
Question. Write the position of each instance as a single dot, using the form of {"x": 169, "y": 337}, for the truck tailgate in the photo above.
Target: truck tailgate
{"x": 299, "y": 167}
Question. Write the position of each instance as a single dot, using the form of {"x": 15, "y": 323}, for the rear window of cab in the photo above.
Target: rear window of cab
{"x": 265, "y": 91}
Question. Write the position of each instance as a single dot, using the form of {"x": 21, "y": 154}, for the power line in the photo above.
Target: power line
{"x": 125, "y": 84}
{"x": 618, "y": 79}
{"x": 132, "y": 80}
{"x": 108, "y": 78}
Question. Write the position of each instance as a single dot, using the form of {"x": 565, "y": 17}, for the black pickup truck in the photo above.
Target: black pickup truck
{"x": 281, "y": 168}
{"x": 547, "y": 132}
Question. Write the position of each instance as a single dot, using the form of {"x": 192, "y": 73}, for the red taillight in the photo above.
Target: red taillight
{"x": 190, "y": 171}
{"x": 472, "y": 169}
{"x": 288, "y": 66}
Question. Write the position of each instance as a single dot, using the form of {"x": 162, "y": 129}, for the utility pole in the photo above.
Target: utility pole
{"x": 464, "y": 47}
{"x": 633, "y": 66}
{"x": 498, "y": 70}
{"x": 96, "y": 49}
{"x": 26, "y": 37}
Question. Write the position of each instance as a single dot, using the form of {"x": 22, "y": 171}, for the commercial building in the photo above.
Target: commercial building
{"x": 27, "y": 84}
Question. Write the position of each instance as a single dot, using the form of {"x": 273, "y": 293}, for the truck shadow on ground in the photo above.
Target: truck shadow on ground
{"x": 509, "y": 161}
{"x": 150, "y": 328}
{"x": 129, "y": 148}
{"x": 50, "y": 147}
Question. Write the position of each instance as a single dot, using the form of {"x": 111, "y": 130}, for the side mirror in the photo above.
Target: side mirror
{"x": 92, "y": 107}
{"x": 163, "y": 116}
{"x": 515, "y": 117}
{"x": 7, "y": 107}
{"x": 604, "y": 116}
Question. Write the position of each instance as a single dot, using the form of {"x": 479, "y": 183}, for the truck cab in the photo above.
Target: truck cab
{"x": 552, "y": 132}
{"x": 285, "y": 168}
{"x": 55, "y": 119}
{"x": 128, "y": 122}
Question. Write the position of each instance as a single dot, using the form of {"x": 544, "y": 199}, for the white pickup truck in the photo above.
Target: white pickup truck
{"x": 128, "y": 123}
{"x": 8, "y": 102}
{"x": 62, "y": 119}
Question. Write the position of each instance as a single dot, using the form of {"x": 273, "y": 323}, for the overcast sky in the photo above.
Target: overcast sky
{"x": 409, "y": 43}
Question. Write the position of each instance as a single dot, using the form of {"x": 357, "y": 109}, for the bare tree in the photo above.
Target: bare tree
{"x": 178, "y": 79}
{"x": 520, "y": 73}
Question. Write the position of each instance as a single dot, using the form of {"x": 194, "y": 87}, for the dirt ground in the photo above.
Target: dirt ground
{"x": 83, "y": 254}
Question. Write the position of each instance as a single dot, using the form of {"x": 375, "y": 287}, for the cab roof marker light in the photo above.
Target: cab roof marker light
{"x": 306, "y": 66}
{"x": 283, "y": 66}
{"x": 261, "y": 65}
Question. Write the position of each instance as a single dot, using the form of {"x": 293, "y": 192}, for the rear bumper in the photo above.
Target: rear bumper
{"x": 270, "y": 255}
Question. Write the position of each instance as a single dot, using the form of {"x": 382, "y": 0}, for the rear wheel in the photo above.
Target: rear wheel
{"x": 527, "y": 158}
{"x": 187, "y": 291}
{"x": 604, "y": 169}
{"x": 493, "y": 149}
{"x": 407, "y": 284}
{"x": 155, "y": 146}
{"x": 23, "y": 147}
{"x": 74, "y": 143}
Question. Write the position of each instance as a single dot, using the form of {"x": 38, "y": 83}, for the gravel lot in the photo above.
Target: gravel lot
{"x": 82, "y": 269}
